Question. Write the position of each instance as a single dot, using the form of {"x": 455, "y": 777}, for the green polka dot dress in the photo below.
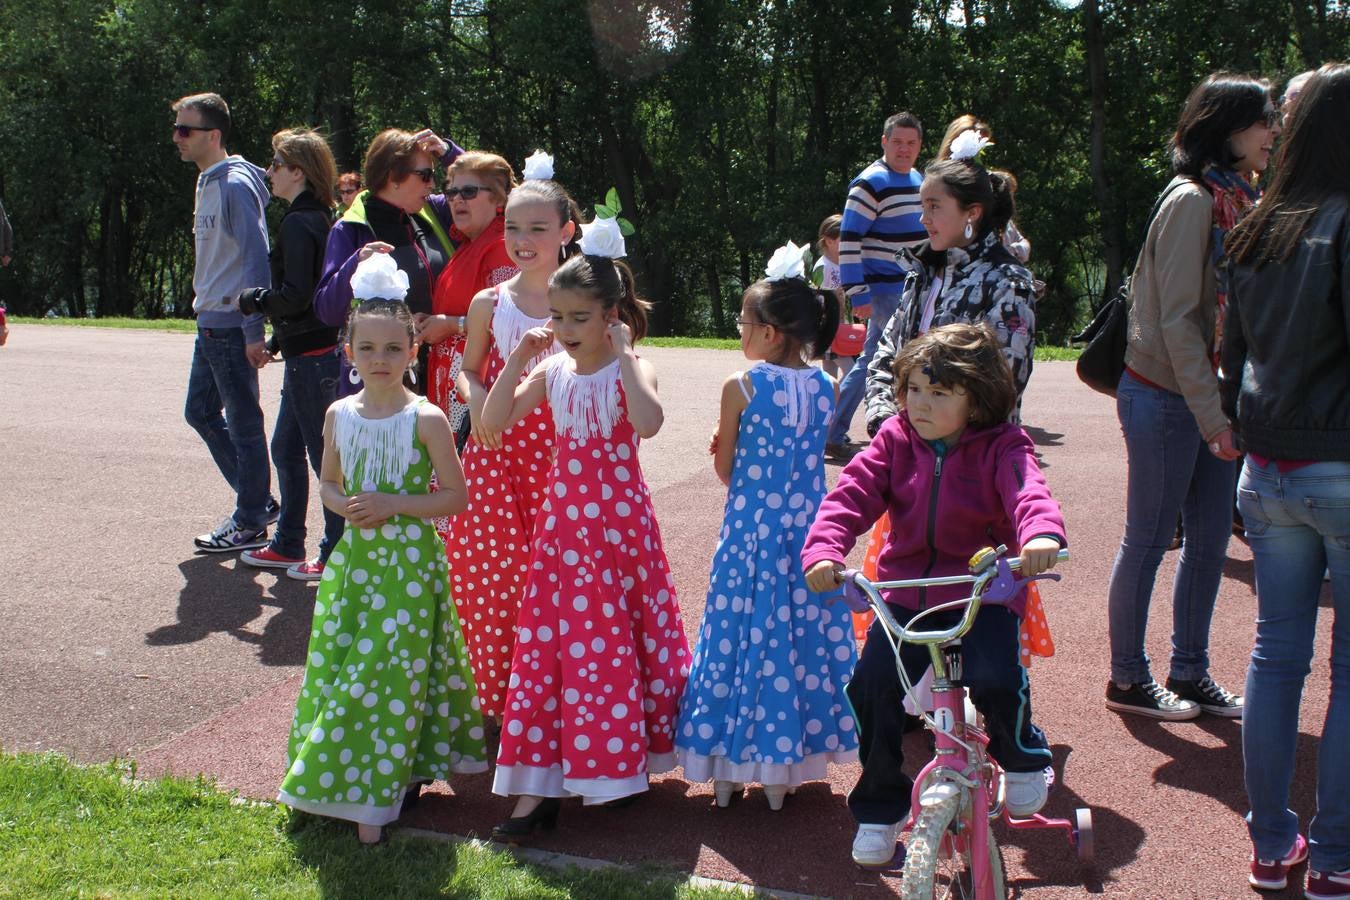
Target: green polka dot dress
{"x": 388, "y": 698}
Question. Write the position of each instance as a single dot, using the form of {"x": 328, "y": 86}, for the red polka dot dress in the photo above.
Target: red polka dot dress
{"x": 488, "y": 546}
{"x": 601, "y": 656}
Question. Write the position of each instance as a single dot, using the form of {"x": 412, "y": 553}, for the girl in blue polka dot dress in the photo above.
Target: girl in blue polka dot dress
{"x": 764, "y": 702}
{"x": 388, "y": 699}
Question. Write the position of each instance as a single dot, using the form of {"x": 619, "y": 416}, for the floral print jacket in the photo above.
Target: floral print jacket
{"x": 982, "y": 282}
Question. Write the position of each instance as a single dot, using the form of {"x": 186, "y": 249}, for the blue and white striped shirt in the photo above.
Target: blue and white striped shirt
{"x": 881, "y": 217}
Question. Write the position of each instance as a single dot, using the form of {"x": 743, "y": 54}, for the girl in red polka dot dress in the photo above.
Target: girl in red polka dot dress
{"x": 506, "y": 471}
{"x": 601, "y": 656}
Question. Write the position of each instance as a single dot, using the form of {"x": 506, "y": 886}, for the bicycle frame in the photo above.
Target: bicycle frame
{"x": 960, "y": 765}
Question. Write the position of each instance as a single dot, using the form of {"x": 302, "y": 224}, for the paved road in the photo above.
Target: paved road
{"x": 119, "y": 641}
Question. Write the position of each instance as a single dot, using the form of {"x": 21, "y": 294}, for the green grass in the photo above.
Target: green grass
{"x": 189, "y": 326}
{"x": 76, "y": 831}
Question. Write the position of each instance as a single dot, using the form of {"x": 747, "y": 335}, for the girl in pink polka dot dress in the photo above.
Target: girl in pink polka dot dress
{"x": 506, "y": 471}
{"x": 601, "y": 656}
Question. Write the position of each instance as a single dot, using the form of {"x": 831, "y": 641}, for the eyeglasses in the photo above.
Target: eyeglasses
{"x": 279, "y": 163}
{"x": 742, "y": 324}
{"x": 426, "y": 174}
{"x": 185, "y": 131}
{"x": 345, "y": 191}
{"x": 467, "y": 191}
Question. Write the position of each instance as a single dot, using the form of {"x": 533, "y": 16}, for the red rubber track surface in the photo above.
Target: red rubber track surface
{"x": 119, "y": 641}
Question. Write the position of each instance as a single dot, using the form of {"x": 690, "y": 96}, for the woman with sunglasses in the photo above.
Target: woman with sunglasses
{"x": 476, "y": 194}
{"x": 302, "y": 174}
{"x": 397, "y": 214}
{"x": 1179, "y": 444}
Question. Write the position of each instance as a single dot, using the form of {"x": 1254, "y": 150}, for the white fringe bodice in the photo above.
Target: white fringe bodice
{"x": 374, "y": 451}
{"x": 792, "y": 392}
{"x": 509, "y": 324}
{"x": 583, "y": 406}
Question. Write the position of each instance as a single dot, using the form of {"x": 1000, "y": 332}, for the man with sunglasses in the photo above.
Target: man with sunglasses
{"x": 230, "y": 236}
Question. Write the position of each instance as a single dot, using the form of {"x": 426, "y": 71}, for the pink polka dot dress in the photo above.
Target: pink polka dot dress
{"x": 489, "y": 546}
{"x": 601, "y": 656}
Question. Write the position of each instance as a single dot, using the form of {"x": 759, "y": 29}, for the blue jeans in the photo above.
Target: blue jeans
{"x": 1170, "y": 471}
{"x": 308, "y": 387}
{"x": 853, "y": 386}
{"x": 222, "y": 378}
{"x": 1298, "y": 525}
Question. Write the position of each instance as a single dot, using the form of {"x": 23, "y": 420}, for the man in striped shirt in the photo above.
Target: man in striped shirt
{"x": 881, "y": 216}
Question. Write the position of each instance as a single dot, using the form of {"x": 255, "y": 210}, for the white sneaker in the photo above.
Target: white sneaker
{"x": 874, "y": 845}
{"x": 1024, "y": 793}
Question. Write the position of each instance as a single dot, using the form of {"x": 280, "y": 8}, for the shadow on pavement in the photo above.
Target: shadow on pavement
{"x": 1052, "y": 860}
{"x": 222, "y": 595}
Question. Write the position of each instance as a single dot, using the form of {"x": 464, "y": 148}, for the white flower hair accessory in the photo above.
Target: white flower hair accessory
{"x": 787, "y": 261}
{"x": 969, "y": 144}
{"x": 538, "y": 166}
{"x": 605, "y": 235}
{"x": 603, "y": 238}
{"x": 378, "y": 276}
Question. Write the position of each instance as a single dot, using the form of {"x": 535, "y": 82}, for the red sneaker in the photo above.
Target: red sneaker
{"x": 267, "y": 558}
{"x": 1273, "y": 874}
{"x": 311, "y": 570}
{"x": 1328, "y": 885}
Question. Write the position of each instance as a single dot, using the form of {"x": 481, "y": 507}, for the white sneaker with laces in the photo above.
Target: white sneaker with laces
{"x": 874, "y": 845}
{"x": 1024, "y": 793}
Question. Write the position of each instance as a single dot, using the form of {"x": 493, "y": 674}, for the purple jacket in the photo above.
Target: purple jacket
{"x": 986, "y": 490}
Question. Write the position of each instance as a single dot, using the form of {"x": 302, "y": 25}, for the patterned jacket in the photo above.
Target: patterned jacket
{"x": 991, "y": 286}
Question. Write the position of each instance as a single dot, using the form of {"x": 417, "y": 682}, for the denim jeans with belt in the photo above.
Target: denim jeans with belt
{"x": 1170, "y": 471}
{"x": 1298, "y": 525}
{"x": 222, "y": 379}
{"x": 308, "y": 388}
{"x": 854, "y": 385}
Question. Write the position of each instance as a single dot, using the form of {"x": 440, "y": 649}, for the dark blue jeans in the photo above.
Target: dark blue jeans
{"x": 308, "y": 387}
{"x": 1170, "y": 472}
{"x": 222, "y": 379}
{"x": 991, "y": 671}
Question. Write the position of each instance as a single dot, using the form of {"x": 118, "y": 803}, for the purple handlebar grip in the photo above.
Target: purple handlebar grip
{"x": 854, "y": 596}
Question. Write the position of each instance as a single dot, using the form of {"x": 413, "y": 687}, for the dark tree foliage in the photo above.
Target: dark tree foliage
{"x": 728, "y": 127}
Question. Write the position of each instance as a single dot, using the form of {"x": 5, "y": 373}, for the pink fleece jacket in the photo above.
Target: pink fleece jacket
{"x": 987, "y": 490}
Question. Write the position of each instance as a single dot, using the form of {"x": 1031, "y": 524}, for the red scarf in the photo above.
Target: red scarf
{"x": 472, "y": 268}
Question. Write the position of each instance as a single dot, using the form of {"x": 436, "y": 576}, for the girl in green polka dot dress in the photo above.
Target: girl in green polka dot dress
{"x": 388, "y": 700}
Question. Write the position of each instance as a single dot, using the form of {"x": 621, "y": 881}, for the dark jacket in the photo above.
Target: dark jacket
{"x": 1285, "y": 373}
{"x": 296, "y": 260}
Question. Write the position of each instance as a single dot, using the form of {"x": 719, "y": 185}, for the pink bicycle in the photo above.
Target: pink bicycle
{"x": 951, "y": 850}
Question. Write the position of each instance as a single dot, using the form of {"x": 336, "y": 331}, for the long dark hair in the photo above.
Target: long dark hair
{"x": 608, "y": 282}
{"x": 1313, "y": 163}
{"x": 969, "y": 183}
{"x": 806, "y": 316}
{"x": 1218, "y": 106}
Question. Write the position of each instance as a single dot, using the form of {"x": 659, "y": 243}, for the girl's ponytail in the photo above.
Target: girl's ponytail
{"x": 632, "y": 308}
{"x": 1002, "y": 207}
{"x": 827, "y": 325}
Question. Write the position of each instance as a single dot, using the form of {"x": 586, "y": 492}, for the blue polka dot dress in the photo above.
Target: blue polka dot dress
{"x": 765, "y": 699}
{"x": 388, "y": 696}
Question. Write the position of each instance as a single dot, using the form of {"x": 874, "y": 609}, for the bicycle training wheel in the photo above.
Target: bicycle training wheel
{"x": 937, "y": 858}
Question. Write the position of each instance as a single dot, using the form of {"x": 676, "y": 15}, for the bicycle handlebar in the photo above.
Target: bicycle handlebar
{"x": 992, "y": 569}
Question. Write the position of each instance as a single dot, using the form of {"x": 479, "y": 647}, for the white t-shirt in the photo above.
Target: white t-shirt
{"x": 831, "y": 279}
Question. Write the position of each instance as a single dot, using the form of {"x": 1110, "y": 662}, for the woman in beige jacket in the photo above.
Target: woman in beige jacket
{"x": 1178, "y": 442}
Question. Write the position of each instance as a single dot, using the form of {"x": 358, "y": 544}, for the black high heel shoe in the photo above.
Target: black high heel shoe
{"x": 542, "y": 818}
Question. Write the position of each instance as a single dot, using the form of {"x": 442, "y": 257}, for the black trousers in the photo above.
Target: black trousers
{"x": 991, "y": 671}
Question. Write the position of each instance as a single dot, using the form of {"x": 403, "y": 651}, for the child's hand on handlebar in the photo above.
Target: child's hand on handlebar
{"x": 1039, "y": 555}
{"x": 825, "y": 576}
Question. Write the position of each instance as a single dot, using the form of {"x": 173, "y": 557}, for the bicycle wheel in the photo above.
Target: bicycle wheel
{"x": 937, "y": 858}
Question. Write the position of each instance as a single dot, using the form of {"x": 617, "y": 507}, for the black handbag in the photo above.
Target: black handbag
{"x": 1102, "y": 362}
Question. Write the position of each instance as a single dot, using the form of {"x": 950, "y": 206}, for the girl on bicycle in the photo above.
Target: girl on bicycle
{"x": 955, "y": 476}
{"x": 764, "y": 701}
